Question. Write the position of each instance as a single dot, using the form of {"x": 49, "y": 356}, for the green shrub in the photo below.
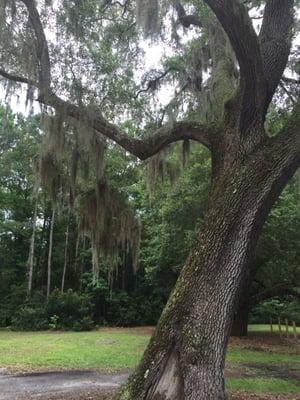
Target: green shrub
{"x": 85, "y": 324}
{"x": 274, "y": 308}
{"x": 68, "y": 310}
{"x": 71, "y": 309}
{"x": 28, "y": 318}
{"x": 122, "y": 310}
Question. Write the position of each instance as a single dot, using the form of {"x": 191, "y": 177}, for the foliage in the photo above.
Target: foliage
{"x": 70, "y": 309}
{"x": 30, "y": 319}
{"x": 274, "y": 308}
{"x": 170, "y": 210}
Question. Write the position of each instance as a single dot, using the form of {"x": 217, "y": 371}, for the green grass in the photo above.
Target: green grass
{"x": 266, "y": 328}
{"x": 244, "y": 356}
{"x": 262, "y": 385}
{"x": 69, "y": 350}
{"x": 118, "y": 350}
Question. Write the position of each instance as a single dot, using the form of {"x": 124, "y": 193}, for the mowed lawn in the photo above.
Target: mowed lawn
{"x": 267, "y": 328}
{"x": 104, "y": 350}
{"x": 113, "y": 350}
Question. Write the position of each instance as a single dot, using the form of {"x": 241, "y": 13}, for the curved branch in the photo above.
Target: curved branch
{"x": 282, "y": 153}
{"x": 16, "y": 78}
{"x": 237, "y": 24}
{"x": 275, "y": 41}
{"x": 141, "y": 148}
{"x": 288, "y": 140}
{"x": 235, "y": 20}
{"x": 185, "y": 19}
{"x": 41, "y": 47}
{"x": 154, "y": 83}
{"x": 281, "y": 84}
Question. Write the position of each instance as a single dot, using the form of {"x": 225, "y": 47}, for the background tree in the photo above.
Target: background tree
{"x": 19, "y": 143}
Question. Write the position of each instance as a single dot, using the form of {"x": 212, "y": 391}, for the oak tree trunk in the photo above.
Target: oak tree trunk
{"x": 186, "y": 355}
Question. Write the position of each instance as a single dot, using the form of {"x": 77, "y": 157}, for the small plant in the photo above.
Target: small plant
{"x": 54, "y": 322}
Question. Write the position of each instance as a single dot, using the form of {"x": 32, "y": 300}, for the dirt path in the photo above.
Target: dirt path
{"x": 92, "y": 385}
{"x": 44, "y": 385}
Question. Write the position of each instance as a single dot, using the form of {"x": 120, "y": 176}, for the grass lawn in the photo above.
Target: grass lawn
{"x": 262, "y": 385}
{"x": 267, "y": 328}
{"x": 118, "y": 349}
{"x": 244, "y": 356}
{"x": 109, "y": 351}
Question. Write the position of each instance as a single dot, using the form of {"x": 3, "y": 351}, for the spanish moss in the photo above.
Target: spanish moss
{"x": 147, "y": 15}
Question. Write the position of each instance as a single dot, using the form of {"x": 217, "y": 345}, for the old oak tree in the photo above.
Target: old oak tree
{"x": 250, "y": 168}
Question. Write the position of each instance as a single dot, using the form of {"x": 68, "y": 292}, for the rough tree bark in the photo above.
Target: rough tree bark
{"x": 185, "y": 357}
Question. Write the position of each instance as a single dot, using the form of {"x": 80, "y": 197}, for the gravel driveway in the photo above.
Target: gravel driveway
{"x": 37, "y": 385}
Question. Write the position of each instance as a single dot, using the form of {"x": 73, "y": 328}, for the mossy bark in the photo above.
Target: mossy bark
{"x": 186, "y": 355}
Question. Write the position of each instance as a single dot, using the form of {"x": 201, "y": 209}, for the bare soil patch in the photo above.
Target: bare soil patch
{"x": 250, "y": 396}
{"x": 105, "y": 395}
{"x": 287, "y": 372}
{"x": 267, "y": 343}
{"x": 94, "y": 394}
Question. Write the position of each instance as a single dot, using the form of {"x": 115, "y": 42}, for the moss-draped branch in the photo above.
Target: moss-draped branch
{"x": 257, "y": 80}
{"x": 262, "y": 59}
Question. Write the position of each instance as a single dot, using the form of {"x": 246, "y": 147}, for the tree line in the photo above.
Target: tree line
{"x": 33, "y": 243}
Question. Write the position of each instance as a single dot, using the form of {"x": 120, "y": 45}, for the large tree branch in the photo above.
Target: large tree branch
{"x": 41, "y": 46}
{"x": 291, "y": 80}
{"x": 234, "y": 18}
{"x": 275, "y": 40}
{"x": 141, "y": 148}
{"x": 287, "y": 142}
{"x": 185, "y": 19}
{"x": 17, "y": 78}
{"x": 282, "y": 154}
